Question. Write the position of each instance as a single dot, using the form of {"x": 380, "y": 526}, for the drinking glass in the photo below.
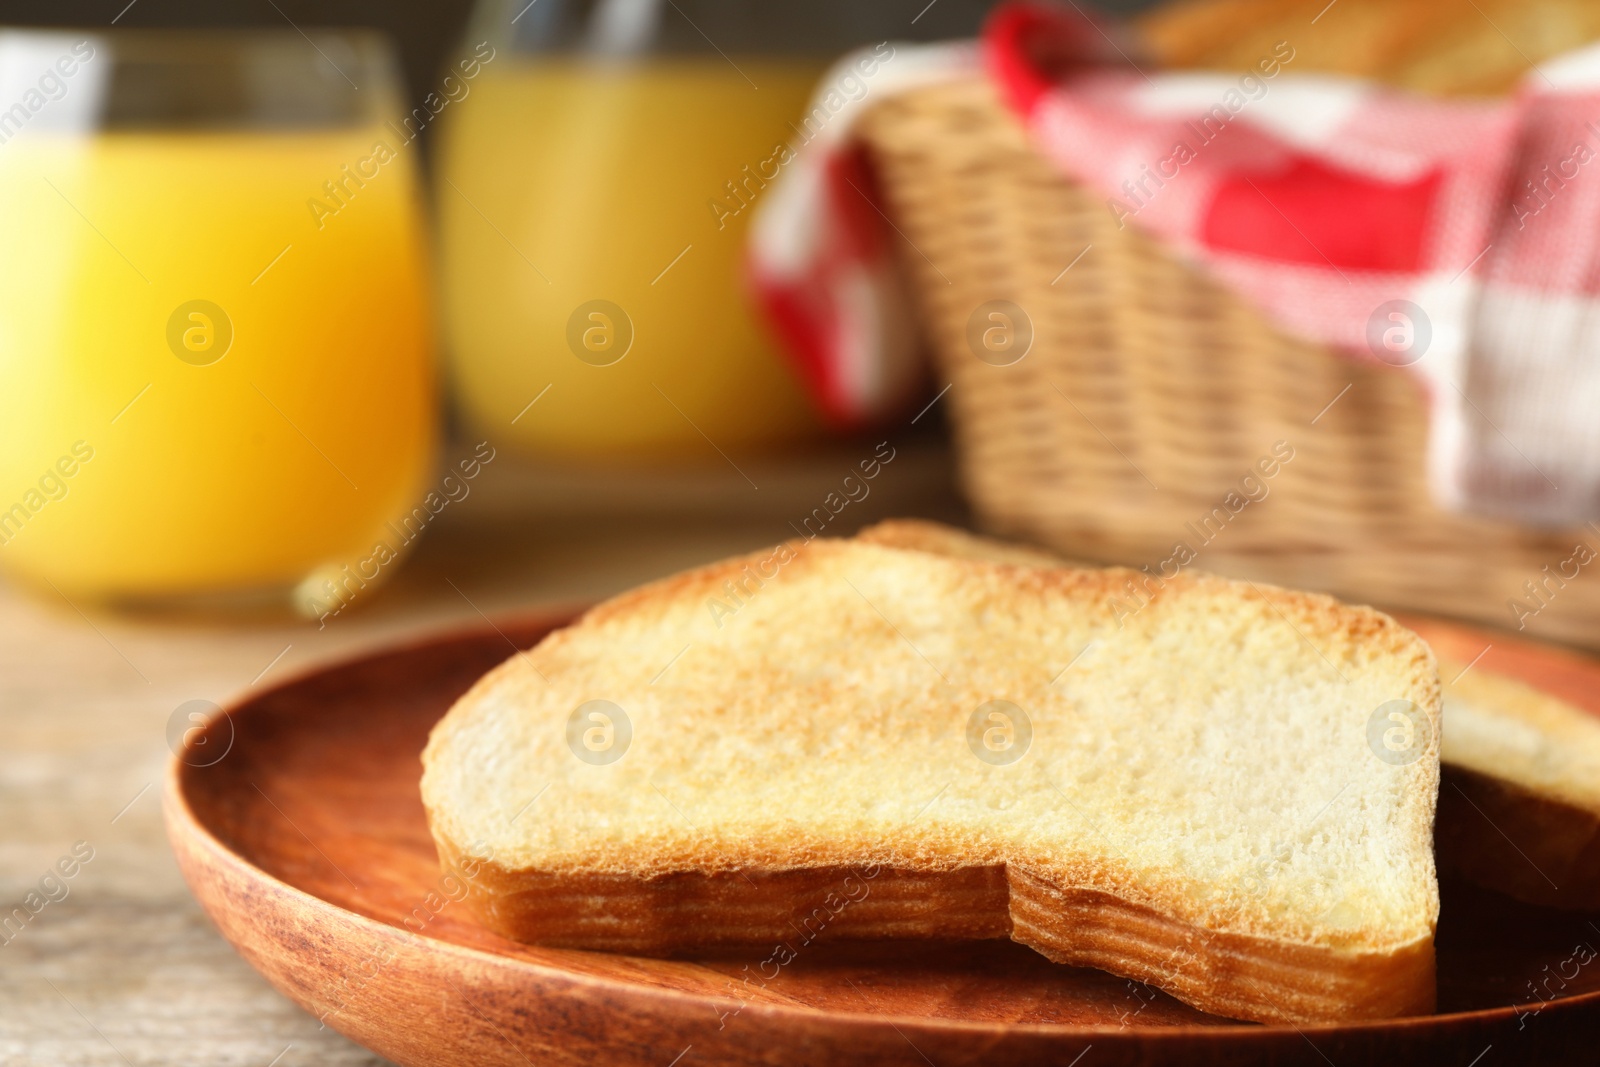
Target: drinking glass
{"x": 597, "y": 180}
{"x": 215, "y": 326}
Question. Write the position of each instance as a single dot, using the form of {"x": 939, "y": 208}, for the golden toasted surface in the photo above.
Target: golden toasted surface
{"x": 1502, "y": 728}
{"x": 1196, "y": 753}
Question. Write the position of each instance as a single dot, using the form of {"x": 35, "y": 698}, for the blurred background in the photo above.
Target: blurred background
{"x": 326, "y": 325}
{"x": 298, "y": 264}
{"x": 451, "y": 274}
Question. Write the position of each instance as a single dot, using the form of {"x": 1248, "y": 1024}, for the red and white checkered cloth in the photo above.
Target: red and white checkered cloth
{"x": 1458, "y": 238}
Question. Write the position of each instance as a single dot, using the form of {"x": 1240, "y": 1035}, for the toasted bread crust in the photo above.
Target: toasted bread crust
{"x": 660, "y": 896}
{"x": 1236, "y": 975}
{"x": 782, "y": 911}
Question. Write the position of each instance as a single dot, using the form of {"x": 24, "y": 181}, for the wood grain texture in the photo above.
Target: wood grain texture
{"x": 307, "y": 845}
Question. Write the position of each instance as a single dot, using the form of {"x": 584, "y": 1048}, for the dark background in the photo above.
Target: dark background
{"x": 426, "y": 31}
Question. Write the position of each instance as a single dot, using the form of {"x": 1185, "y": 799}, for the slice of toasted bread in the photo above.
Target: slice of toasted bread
{"x": 846, "y": 739}
{"x": 1519, "y": 808}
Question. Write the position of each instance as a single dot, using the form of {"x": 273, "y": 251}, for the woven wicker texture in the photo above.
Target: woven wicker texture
{"x": 1150, "y": 392}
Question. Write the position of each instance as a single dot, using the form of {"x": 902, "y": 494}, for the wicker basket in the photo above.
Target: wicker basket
{"x": 1150, "y": 392}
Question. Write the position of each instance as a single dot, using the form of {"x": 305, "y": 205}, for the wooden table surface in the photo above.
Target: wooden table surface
{"x": 125, "y": 970}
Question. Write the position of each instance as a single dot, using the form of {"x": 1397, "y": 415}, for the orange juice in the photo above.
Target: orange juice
{"x": 205, "y": 384}
{"x": 567, "y": 182}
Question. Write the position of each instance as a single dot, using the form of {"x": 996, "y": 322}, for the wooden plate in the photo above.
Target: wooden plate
{"x": 304, "y": 839}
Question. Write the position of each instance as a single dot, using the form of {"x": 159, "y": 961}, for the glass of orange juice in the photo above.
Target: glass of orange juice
{"x": 215, "y": 329}
{"x": 594, "y": 195}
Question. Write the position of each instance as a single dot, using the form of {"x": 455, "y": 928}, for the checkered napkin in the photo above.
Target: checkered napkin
{"x": 1458, "y": 239}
